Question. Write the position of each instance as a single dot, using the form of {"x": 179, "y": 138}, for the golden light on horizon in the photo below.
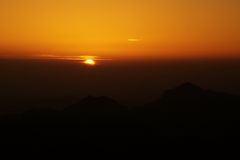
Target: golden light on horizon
{"x": 120, "y": 29}
{"x": 90, "y": 62}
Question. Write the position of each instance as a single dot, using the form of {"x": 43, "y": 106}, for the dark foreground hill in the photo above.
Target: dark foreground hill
{"x": 186, "y": 114}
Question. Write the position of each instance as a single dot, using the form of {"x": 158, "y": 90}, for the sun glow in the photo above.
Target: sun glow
{"x": 134, "y": 40}
{"x": 126, "y": 29}
{"x": 89, "y": 62}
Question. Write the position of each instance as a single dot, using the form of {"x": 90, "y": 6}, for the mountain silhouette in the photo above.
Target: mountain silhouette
{"x": 96, "y": 104}
{"x": 185, "y": 111}
{"x": 187, "y": 88}
{"x": 192, "y": 98}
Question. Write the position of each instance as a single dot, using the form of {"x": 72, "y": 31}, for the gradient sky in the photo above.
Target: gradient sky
{"x": 120, "y": 29}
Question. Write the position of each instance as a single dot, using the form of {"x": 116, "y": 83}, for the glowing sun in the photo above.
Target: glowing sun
{"x": 89, "y": 62}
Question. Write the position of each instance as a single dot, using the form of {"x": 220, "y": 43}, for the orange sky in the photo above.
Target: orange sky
{"x": 120, "y": 29}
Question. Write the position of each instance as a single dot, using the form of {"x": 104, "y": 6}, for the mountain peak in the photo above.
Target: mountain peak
{"x": 99, "y": 104}
{"x": 188, "y": 87}
{"x": 185, "y": 90}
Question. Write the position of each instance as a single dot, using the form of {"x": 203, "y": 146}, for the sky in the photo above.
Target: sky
{"x": 120, "y": 29}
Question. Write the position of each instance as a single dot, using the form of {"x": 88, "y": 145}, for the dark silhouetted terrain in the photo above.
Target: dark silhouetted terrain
{"x": 186, "y": 114}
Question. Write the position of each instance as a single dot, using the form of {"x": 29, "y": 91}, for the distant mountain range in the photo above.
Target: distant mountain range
{"x": 183, "y": 112}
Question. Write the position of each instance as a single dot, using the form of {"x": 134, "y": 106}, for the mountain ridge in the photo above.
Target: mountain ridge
{"x": 187, "y": 110}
